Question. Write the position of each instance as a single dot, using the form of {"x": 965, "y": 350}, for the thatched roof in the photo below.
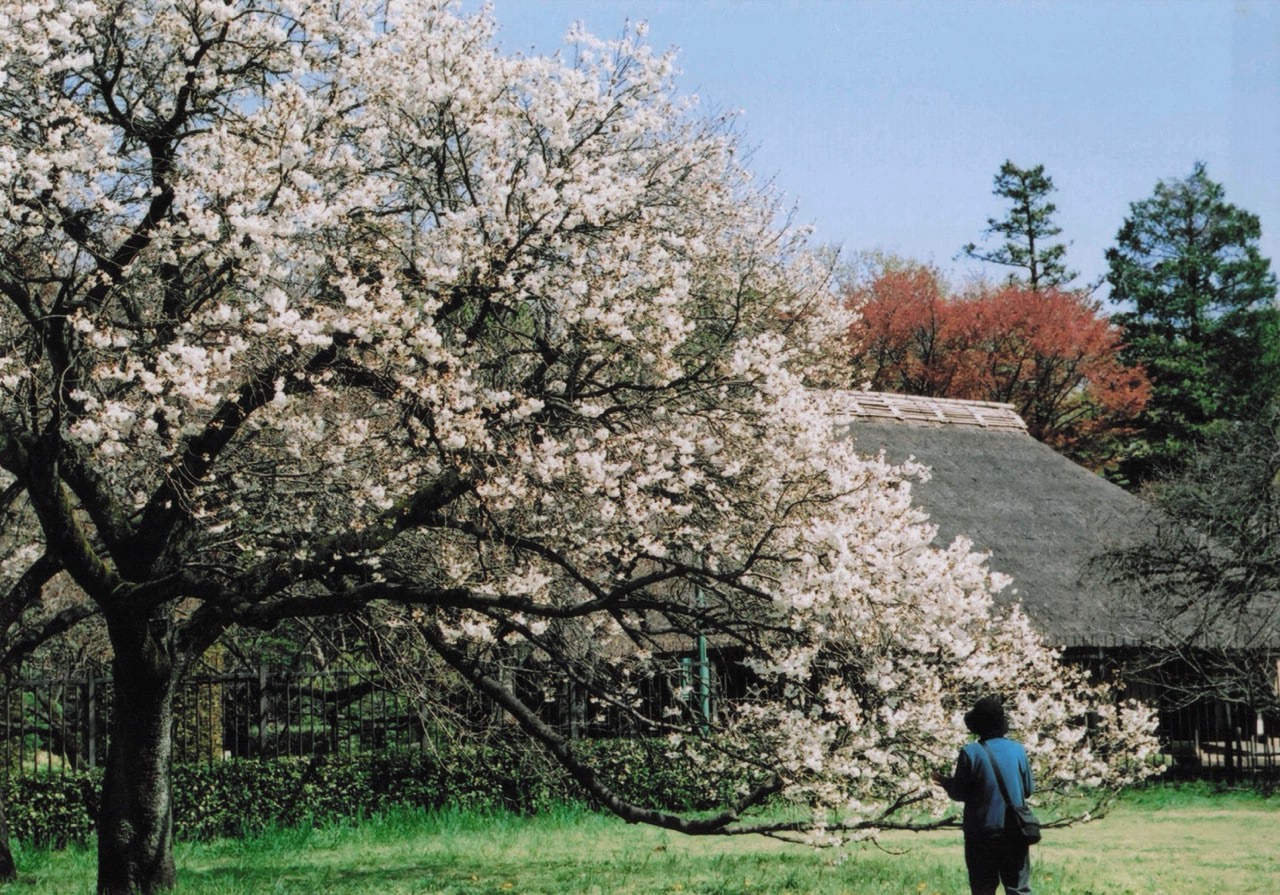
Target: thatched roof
{"x": 1040, "y": 516}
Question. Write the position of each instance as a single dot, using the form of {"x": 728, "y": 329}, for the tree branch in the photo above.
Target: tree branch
{"x": 26, "y": 590}
{"x": 27, "y": 641}
{"x": 586, "y": 776}
{"x": 169, "y": 505}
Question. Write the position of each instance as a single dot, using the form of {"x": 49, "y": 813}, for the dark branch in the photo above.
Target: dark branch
{"x": 586, "y": 776}
{"x": 26, "y": 591}
{"x": 27, "y": 641}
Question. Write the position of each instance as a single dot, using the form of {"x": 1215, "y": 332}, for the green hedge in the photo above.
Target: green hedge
{"x": 52, "y": 810}
{"x": 238, "y": 797}
{"x": 648, "y": 773}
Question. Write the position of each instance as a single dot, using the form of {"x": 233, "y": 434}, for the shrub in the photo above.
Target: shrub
{"x": 649, "y": 772}
{"x": 52, "y": 810}
{"x": 245, "y": 796}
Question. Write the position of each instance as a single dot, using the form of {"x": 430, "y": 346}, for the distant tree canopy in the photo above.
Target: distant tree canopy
{"x": 1026, "y": 231}
{"x": 1200, "y": 316}
{"x": 1051, "y": 354}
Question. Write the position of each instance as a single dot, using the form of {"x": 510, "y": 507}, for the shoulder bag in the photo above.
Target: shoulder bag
{"x": 1020, "y": 822}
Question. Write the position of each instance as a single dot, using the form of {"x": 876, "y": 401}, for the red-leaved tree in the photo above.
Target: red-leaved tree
{"x": 1052, "y": 354}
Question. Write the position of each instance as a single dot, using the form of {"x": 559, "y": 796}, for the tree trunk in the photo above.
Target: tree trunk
{"x": 8, "y": 870}
{"x": 135, "y": 821}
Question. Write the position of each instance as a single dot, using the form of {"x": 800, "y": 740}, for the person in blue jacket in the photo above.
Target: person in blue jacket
{"x": 991, "y": 855}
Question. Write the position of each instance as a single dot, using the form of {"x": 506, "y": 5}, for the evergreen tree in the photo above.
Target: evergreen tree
{"x": 1201, "y": 316}
{"x": 1026, "y": 230}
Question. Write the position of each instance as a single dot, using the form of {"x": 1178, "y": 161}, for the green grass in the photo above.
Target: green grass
{"x": 1160, "y": 841}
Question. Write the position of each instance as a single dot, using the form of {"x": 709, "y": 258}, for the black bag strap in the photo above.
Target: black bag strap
{"x": 999, "y": 779}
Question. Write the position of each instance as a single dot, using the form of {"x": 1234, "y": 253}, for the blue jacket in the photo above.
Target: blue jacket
{"x": 974, "y": 783}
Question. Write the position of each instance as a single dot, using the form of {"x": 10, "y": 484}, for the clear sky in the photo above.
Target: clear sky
{"x": 885, "y": 122}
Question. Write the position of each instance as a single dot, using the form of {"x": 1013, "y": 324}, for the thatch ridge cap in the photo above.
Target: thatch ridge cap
{"x": 851, "y": 405}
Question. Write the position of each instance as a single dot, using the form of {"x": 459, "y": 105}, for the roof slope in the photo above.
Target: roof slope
{"x": 1040, "y": 516}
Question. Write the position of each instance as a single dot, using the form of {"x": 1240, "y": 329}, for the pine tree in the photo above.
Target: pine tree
{"x": 1026, "y": 230}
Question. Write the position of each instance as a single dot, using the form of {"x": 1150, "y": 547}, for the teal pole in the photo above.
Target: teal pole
{"x": 704, "y": 669}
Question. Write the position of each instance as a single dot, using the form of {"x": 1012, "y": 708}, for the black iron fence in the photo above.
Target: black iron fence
{"x": 54, "y": 722}
{"x": 58, "y": 721}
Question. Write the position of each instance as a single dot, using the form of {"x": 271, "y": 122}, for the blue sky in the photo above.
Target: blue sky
{"x": 885, "y": 122}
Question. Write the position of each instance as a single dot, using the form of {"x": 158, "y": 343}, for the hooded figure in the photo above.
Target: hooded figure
{"x": 991, "y": 856}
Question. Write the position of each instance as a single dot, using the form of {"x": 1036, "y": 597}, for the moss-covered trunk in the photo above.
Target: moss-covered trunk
{"x": 135, "y": 821}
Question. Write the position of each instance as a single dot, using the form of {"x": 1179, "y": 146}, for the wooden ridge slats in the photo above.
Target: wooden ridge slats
{"x": 851, "y": 405}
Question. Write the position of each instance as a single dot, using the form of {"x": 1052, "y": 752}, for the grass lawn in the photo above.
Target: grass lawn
{"x": 1157, "y": 842}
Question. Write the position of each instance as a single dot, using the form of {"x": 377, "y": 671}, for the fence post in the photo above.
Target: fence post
{"x": 91, "y": 695}
{"x": 262, "y": 710}
{"x": 8, "y": 732}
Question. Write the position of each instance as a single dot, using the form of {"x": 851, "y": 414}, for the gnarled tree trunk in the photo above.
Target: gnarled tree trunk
{"x": 135, "y": 821}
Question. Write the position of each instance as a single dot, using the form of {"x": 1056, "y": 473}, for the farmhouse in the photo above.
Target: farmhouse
{"x": 1041, "y": 517}
{"x": 1045, "y": 521}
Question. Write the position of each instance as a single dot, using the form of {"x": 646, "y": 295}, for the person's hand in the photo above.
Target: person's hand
{"x": 937, "y": 778}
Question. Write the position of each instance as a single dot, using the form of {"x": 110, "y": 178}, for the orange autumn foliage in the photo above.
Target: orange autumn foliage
{"x": 1051, "y": 354}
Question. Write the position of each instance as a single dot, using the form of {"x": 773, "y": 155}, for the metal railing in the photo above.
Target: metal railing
{"x": 58, "y": 722}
